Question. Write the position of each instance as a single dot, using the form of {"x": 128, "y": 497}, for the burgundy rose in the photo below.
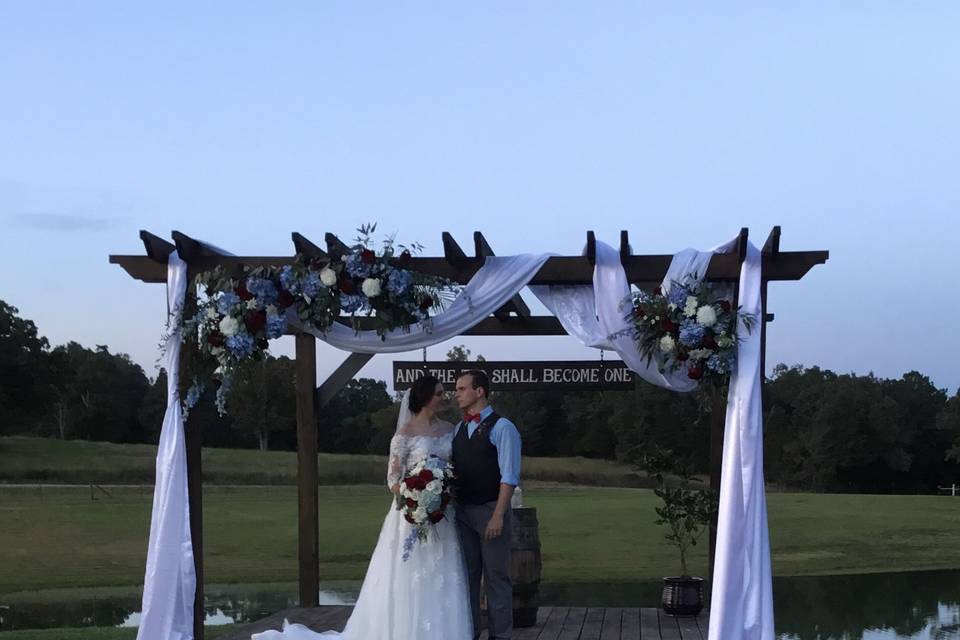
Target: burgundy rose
{"x": 668, "y": 325}
{"x": 639, "y": 312}
{"x": 285, "y": 299}
{"x": 405, "y": 258}
{"x": 695, "y": 373}
{"x": 242, "y": 293}
{"x": 725, "y": 306}
{"x": 367, "y": 256}
{"x": 409, "y": 518}
{"x": 215, "y": 338}
{"x": 411, "y": 503}
{"x": 709, "y": 342}
{"x": 426, "y": 303}
{"x": 411, "y": 482}
{"x": 255, "y": 320}
{"x": 346, "y": 285}
{"x": 426, "y": 475}
{"x": 435, "y": 517}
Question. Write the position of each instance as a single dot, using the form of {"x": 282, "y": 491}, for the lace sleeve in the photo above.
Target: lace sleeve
{"x": 398, "y": 456}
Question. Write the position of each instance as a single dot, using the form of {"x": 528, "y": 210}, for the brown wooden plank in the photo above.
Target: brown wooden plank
{"x": 303, "y": 245}
{"x": 668, "y": 626}
{"x": 484, "y": 635}
{"x": 340, "y": 377}
{"x": 703, "y": 621}
{"x": 593, "y": 623}
{"x": 307, "y": 490}
{"x": 630, "y": 624}
{"x": 649, "y": 624}
{"x": 611, "y": 624}
{"x": 554, "y": 624}
{"x": 573, "y": 625}
{"x": 688, "y": 627}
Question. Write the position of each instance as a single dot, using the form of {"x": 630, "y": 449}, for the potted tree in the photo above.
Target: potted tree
{"x": 685, "y": 510}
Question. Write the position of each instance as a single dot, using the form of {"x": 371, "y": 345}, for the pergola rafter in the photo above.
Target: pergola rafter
{"x": 512, "y": 319}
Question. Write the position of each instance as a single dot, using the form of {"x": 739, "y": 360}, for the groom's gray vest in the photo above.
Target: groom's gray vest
{"x": 476, "y": 464}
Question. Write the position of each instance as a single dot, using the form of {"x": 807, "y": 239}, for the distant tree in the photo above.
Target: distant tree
{"x": 263, "y": 399}
{"x": 24, "y": 373}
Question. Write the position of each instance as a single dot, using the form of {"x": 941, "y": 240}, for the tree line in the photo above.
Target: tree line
{"x": 824, "y": 431}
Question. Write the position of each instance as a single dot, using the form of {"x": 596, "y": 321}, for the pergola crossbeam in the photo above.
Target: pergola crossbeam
{"x": 516, "y": 303}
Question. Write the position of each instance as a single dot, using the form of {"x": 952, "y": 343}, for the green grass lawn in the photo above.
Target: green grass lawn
{"x": 36, "y": 460}
{"x": 59, "y": 538}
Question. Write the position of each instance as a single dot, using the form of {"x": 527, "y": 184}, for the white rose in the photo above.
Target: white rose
{"x": 229, "y": 326}
{"x": 706, "y": 316}
{"x": 724, "y": 341}
{"x": 420, "y": 514}
{"x": 371, "y": 287}
{"x": 328, "y": 276}
{"x": 212, "y": 313}
{"x": 701, "y": 354}
{"x": 434, "y": 486}
{"x": 690, "y": 309}
{"x": 667, "y": 344}
{"x": 252, "y": 303}
{"x": 216, "y": 351}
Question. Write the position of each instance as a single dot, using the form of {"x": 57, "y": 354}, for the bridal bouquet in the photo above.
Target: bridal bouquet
{"x": 423, "y": 498}
{"x": 689, "y": 328}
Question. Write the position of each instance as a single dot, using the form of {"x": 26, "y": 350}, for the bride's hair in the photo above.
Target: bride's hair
{"x": 421, "y": 392}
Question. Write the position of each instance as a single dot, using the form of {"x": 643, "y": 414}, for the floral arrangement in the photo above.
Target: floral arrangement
{"x": 240, "y": 310}
{"x": 423, "y": 498}
{"x": 689, "y": 327}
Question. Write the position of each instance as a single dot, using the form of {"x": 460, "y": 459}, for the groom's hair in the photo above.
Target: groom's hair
{"x": 478, "y": 380}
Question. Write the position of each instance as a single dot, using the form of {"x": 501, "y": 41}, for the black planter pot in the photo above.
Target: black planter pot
{"x": 682, "y": 596}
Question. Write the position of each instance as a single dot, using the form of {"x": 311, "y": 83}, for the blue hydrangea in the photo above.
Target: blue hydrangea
{"x": 240, "y": 345}
{"x": 399, "y": 281}
{"x": 276, "y": 325}
{"x": 691, "y": 333}
{"x": 431, "y": 502}
{"x": 351, "y": 302}
{"x": 678, "y": 295}
{"x": 356, "y": 267}
{"x": 289, "y": 280}
{"x": 193, "y": 394}
{"x": 311, "y": 284}
{"x": 264, "y": 289}
{"x": 226, "y": 301}
{"x": 223, "y": 392}
{"x": 718, "y": 363}
{"x": 408, "y": 543}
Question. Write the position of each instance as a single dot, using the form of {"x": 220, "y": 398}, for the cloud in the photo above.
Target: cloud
{"x": 61, "y": 222}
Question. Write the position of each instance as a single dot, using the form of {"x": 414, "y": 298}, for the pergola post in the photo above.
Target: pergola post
{"x": 307, "y": 492}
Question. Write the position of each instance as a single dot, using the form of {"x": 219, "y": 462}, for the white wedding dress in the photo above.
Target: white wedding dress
{"x": 425, "y": 597}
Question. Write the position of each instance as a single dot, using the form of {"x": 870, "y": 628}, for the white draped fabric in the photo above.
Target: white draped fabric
{"x": 742, "y": 595}
{"x": 169, "y": 582}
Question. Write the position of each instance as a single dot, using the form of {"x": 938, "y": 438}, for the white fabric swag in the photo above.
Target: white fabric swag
{"x": 169, "y": 583}
{"x": 741, "y": 599}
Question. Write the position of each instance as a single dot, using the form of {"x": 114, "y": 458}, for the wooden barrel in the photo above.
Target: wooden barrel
{"x": 525, "y": 568}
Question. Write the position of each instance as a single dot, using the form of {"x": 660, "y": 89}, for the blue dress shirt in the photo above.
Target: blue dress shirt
{"x": 506, "y": 438}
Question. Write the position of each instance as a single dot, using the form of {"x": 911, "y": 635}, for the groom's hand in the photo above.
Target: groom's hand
{"x": 494, "y": 527}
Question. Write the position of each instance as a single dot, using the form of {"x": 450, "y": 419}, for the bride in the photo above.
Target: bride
{"x": 425, "y": 597}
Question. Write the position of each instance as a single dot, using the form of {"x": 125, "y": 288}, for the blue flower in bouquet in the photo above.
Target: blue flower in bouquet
{"x": 276, "y": 325}
{"x": 240, "y": 344}
{"x": 678, "y": 295}
{"x": 691, "y": 333}
{"x": 431, "y": 502}
{"x": 351, "y": 302}
{"x": 399, "y": 281}
{"x": 226, "y": 301}
{"x": 356, "y": 267}
{"x": 718, "y": 363}
{"x": 265, "y": 291}
{"x": 289, "y": 280}
{"x": 311, "y": 284}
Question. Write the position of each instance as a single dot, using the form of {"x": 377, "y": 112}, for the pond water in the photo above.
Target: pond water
{"x": 916, "y": 605}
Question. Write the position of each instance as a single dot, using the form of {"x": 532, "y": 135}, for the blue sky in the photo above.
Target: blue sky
{"x": 681, "y": 122}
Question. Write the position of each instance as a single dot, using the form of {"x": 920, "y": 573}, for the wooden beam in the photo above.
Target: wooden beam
{"x": 452, "y": 252}
{"x": 558, "y": 270}
{"x": 491, "y": 326}
{"x": 340, "y": 377}
{"x": 591, "y": 248}
{"x": 625, "y": 250}
{"x": 335, "y": 247}
{"x": 308, "y": 521}
{"x": 189, "y": 248}
{"x": 772, "y": 245}
{"x": 516, "y": 303}
{"x": 156, "y": 247}
{"x": 303, "y": 246}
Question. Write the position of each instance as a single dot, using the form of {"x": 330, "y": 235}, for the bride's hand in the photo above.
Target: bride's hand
{"x": 395, "y": 489}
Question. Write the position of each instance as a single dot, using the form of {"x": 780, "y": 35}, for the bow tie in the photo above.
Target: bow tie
{"x": 471, "y": 417}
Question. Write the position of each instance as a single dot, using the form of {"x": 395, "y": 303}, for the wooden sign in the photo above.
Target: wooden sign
{"x": 522, "y": 376}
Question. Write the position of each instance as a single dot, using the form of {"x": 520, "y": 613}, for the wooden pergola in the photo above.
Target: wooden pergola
{"x": 512, "y": 319}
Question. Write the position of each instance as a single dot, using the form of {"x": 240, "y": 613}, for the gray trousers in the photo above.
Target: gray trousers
{"x": 491, "y": 559}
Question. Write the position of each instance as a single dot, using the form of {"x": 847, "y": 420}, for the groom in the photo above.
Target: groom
{"x": 486, "y": 459}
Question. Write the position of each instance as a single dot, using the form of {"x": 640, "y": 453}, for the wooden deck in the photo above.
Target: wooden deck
{"x": 553, "y": 623}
